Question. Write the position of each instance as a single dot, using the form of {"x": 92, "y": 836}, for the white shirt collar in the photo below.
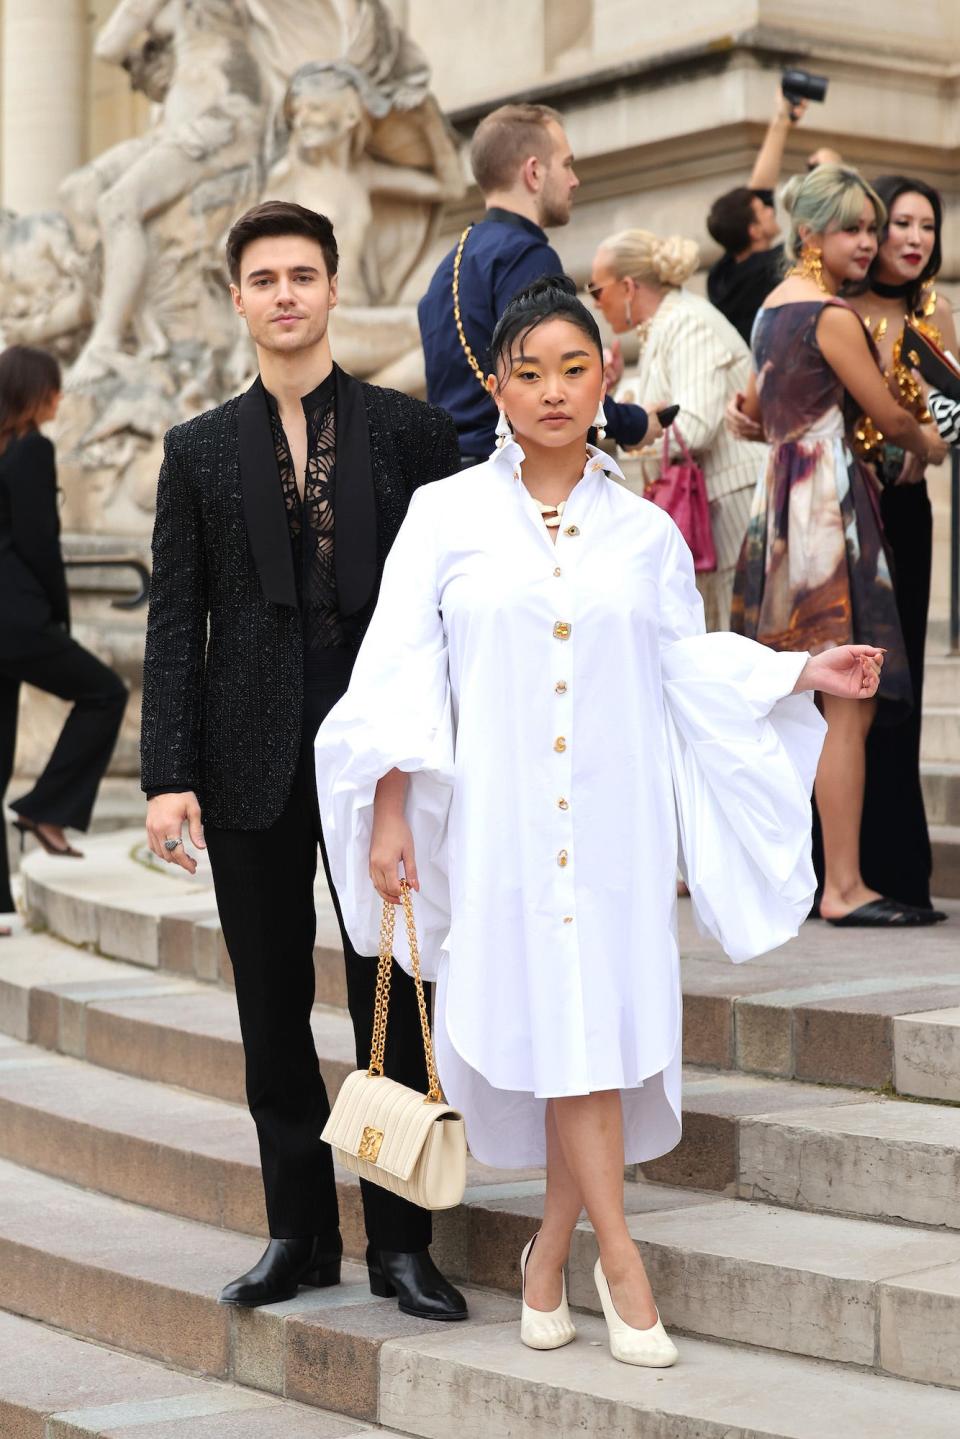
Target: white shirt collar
{"x": 509, "y": 459}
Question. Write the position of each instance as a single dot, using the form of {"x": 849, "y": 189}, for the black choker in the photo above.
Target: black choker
{"x": 893, "y": 292}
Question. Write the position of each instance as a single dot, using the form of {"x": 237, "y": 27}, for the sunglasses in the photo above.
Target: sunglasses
{"x": 594, "y": 290}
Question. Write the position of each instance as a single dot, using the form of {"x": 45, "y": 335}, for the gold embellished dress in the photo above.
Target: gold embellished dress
{"x": 895, "y": 854}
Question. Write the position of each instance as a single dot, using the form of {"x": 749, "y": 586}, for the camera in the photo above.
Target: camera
{"x": 799, "y": 85}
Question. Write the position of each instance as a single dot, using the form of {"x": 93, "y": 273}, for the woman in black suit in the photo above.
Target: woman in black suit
{"x": 35, "y": 643}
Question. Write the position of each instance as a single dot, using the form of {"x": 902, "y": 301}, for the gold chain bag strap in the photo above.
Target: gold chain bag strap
{"x": 472, "y": 360}
{"x": 413, "y": 1145}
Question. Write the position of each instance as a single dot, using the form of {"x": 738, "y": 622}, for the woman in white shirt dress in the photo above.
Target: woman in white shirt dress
{"x": 536, "y": 724}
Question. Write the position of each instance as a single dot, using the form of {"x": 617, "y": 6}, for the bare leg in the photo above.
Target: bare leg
{"x": 839, "y": 785}
{"x": 590, "y": 1129}
{"x": 562, "y": 1208}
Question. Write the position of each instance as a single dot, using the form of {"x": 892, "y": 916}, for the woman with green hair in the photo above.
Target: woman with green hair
{"x": 814, "y": 572}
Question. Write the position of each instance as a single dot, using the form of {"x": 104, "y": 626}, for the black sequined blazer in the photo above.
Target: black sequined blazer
{"x": 223, "y": 668}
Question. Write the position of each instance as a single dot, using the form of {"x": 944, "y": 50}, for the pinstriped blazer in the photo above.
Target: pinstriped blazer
{"x": 694, "y": 357}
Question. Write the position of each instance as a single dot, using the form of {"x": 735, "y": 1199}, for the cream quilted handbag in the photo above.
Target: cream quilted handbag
{"x": 413, "y": 1145}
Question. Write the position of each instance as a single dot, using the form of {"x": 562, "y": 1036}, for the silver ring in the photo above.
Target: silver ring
{"x": 171, "y": 844}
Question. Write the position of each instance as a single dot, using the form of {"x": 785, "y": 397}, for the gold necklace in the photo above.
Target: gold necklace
{"x": 552, "y": 514}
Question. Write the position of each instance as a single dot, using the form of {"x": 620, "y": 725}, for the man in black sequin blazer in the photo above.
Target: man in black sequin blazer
{"x": 275, "y": 513}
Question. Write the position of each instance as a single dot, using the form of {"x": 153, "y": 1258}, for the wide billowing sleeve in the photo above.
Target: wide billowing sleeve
{"x": 396, "y": 714}
{"x": 743, "y": 753}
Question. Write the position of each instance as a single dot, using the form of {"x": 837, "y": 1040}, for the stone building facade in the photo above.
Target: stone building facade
{"x": 665, "y": 106}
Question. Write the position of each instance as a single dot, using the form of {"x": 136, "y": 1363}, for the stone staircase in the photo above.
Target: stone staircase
{"x": 940, "y": 769}
{"x": 803, "y": 1239}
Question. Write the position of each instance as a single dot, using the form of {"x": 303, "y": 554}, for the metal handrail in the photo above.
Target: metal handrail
{"x": 124, "y": 602}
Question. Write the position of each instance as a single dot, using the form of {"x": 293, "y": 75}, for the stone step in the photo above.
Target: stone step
{"x": 177, "y": 1152}
{"x": 821, "y": 1008}
{"x": 491, "y": 1387}
{"x": 127, "y": 905}
{"x": 927, "y": 1054}
{"x": 55, "y": 1386}
{"x": 945, "y": 843}
{"x": 884, "y": 1159}
{"x": 940, "y": 737}
{"x": 789, "y": 1273}
{"x": 146, "y": 1283}
{"x": 153, "y": 1026}
{"x": 865, "y": 1295}
{"x": 941, "y": 793}
{"x": 941, "y": 681}
{"x": 182, "y": 1033}
{"x": 835, "y": 1028}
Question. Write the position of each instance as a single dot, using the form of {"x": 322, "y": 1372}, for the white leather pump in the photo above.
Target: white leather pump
{"x": 540, "y": 1328}
{"x": 652, "y": 1348}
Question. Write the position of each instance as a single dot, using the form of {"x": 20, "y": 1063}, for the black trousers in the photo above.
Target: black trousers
{"x": 65, "y": 792}
{"x": 895, "y": 853}
{"x": 264, "y": 886}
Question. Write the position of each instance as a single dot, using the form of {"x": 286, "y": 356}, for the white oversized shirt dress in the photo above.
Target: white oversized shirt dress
{"x": 571, "y": 734}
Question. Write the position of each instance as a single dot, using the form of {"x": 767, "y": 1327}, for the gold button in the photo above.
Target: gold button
{"x": 563, "y": 804}
{"x": 560, "y": 687}
{"x": 561, "y": 630}
{"x": 571, "y": 530}
{"x": 562, "y": 859}
{"x": 560, "y": 744}
{"x": 557, "y": 572}
{"x": 568, "y": 919}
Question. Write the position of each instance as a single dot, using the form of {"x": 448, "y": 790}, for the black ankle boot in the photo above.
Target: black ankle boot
{"x": 284, "y": 1265}
{"x": 416, "y": 1282}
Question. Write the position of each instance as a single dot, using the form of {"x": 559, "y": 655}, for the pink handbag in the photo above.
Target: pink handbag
{"x": 681, "y": 490}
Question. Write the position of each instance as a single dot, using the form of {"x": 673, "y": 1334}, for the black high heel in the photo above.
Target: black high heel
{"x": 26, "y": 826}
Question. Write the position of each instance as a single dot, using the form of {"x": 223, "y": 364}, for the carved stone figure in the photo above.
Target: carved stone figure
{"x": 128, "y": 282}
{"x": 45, "y": 283}
{"x": 366, "y": 144}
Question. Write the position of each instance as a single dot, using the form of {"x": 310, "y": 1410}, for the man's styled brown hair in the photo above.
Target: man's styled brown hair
{"x": 730, "y": 218}
{"x": 280, "y": 217}
{"x": 507, "y": 137}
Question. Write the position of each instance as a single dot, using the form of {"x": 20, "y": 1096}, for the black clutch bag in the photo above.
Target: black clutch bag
{"x": 937, "y": 368}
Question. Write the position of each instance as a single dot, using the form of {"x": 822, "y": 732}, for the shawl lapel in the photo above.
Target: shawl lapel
{"x": 355, "y": 521}
{"x": 268, "y": 532}
{"x": 355, "y": 533}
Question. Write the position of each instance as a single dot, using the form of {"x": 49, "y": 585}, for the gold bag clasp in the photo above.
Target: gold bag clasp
{"x": 370, "y": 1143}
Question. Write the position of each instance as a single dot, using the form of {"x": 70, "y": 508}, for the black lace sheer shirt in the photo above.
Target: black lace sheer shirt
{"x": 311, "y": 520}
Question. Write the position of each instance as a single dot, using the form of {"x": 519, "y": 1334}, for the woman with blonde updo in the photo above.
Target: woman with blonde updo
{"x": 690, "y": 355}
{"x": 815, "y": 572}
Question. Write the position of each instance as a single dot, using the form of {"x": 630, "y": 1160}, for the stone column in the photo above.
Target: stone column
{"x": 43, "y": 89}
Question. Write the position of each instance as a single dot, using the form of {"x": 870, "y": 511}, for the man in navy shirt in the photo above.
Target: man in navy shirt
{"x": 522, "y": 163}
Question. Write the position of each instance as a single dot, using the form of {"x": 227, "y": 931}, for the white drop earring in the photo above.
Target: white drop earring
{"x": 629, "y": 314}
{"x": 503, "y": 431}
{"x": 600, "y": 423}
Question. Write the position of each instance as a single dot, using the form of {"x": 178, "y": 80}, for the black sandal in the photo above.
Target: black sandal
{"x": 27, "y": 826}
{"x": 885, "y": 914}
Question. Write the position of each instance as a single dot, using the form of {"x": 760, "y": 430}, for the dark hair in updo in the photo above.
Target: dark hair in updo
{"x": 554, "y": 297}
{"x": 890, "y": 188}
